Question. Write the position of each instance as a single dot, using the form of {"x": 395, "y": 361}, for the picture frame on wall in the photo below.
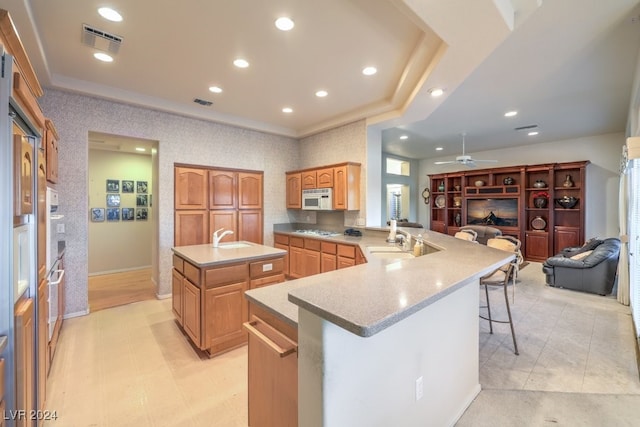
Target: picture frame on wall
{"x": 127, "y": 186}
{"x": 113, "y": 200}
{"x": 113, "y": 186}
{"x": 142, "y": 214}
{"x": 142, "y": 200}
{"x": 97, "y": 214}
{"x": 142, "y": 187}
{"x": 128, "y": 214}
{"x": 113, "y": 214}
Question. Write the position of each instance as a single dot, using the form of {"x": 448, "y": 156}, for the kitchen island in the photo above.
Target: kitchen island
{"x": 389, "y": 342}
{"x": 208, "y": 286}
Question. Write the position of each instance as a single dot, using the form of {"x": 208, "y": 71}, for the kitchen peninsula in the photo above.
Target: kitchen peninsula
{"x": 390, "y": 342}
{"x": 208, "y": 285}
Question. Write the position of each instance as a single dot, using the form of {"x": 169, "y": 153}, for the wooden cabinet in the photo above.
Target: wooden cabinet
{"x": 226, "y": 311}
{"x": 540, "y": 222}
{"x": 190, "y": 190}
{"x": 192, "y": 227}
{"x": 42, "y": 350}
{"x": 250, "y": 190}
{"x": 227, "y": 219}
{"x": 177, "y": 291}
{"x": 272, "y": 370}
{"x": 282, "y": 242}
{"x": 296, "y": 257}
{"x": 329, "y": 258}
{"x": 250, "y": 225}
{"x": 308, "y": 256}
{"x": 23, "y": 175}
{"x": 191, "y": 310}
{"x": 343, "y": 178}
{"x": 294, "y": 190}
{"x": 51, "y": 150}
{"x": 24, "y": 358}
{"x": 42, "y": 218}
{"x": 223, "y": 190}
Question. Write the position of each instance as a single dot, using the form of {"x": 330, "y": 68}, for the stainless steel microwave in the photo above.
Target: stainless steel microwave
{"x": 317, "y": 199}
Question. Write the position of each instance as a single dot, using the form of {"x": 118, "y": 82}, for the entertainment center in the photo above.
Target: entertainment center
{"x": 541, "y": 205}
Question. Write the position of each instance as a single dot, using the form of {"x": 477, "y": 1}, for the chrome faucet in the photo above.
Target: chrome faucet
{"x": 216, "y": 238}
{"x": 405, "y": 239}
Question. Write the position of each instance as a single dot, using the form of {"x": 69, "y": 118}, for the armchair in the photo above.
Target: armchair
{"x": 591, "y": 270}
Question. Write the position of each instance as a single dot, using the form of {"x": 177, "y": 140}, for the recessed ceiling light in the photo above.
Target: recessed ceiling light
{"x": 241, "y": 63}
{"x": 103, "y": 57}
{"x": 534, "y": 133}
{"x": 215, "y": 89}
{"x": 369, "y": 71}
{"x": 287, "y": 110}
{"x": 110, "y": 14}
{"x": 404, "y": 137}
{"x": 284, "y": 23}
{"x": 142, "y": 150}
{"x": 511, "y": 113}
{"x": 322, "y": 93}
{"x": 439, "y": 148}
{"x": 436, "y": 92}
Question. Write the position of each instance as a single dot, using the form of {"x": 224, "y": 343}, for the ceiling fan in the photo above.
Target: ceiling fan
{"x": 464, "y": 159}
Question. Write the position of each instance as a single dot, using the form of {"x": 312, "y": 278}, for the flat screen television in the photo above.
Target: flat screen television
{"x": 500, "y": 212}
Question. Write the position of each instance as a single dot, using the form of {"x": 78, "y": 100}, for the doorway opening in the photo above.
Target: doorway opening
{"x": 123, "y": 222}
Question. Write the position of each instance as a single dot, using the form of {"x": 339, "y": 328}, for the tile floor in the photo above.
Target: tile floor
{"x": 131, "y": 366}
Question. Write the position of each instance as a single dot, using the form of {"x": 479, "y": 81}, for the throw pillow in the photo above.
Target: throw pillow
{"x": 582, "y": 255}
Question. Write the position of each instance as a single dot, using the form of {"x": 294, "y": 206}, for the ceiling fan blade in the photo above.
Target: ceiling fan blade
{"x": 445, "y": 163}
{"x": 485, "y": 161}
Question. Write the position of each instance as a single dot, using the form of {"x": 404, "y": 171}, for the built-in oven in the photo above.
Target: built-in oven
{"x": 55, "y": 244}
{"x": 317, "y": 199}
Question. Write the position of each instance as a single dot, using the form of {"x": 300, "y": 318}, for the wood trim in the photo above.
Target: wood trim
{"x": 209, "y": 167}
{"x": 28, "y": 100}
{"x": 326, "y": 167}
{"x": 14, "y": 47}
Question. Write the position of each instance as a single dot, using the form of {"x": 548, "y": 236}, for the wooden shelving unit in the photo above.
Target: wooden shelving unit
{"x": 543, "y": 229}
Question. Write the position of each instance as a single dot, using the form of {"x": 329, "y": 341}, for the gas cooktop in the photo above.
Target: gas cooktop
{"x": 321, "y": 233}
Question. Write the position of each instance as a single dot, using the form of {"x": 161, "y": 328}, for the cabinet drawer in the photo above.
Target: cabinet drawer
{"x": 267, "y": 267}
{"x": 328, "y": 248}
{"x": 297, "y": 242}
{"x": 281, "y": 238}
{"x": 264, "y": 281}
{"x": 347, "y": 251}
{"x": 222, "y": 275}
{"x": 192, "y": 273}
{"x": 312, "y": 244}
{"x": 178, "y": 263}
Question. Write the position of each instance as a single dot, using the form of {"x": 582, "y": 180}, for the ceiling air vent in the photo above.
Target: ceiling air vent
{"x": 100, "y": 39}
{"x": 203, "y": 102}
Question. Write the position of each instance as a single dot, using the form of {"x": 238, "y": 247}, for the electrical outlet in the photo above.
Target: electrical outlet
{"x": 267, "y": 267}
{"x": 360, "y": 222}
{"x": 419, "y": 388}
{"x": 60, "y": 228}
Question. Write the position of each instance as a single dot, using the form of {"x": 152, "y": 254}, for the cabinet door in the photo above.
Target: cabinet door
{"x": 191, "y": 311}
{"x": 250, "y": 226}
{"x": 294, "y": 191}
{"x": 325, "y": 178}
{"x": 565, "y": 237}
{"x": 296, "y": 262}
{"x": 309, "y": 180}
{"x": 311, "y": 262}
{"x": 42, "y": 218}
{"x": 222, "y": 190}
{"x": 191, "y": 228}
{"x": 25, "y": 361}
{"x": 344, "y": 262}
{"x": 51, "y": 149}
{"x": 286, "y": 257}
{"x": 224, "y": 219}
{"x": 340, "y": 188}
{"x": 329, "y": 263}
{"x": 43, "y": 343}
{"x": 176, "y": 294}
{"x": 249, "y": 190}
{"x": 23, "y": 175}
{"x": 225, "y": 311}
{"x": 190, "y": 190}
{"x": 536, "y": 246}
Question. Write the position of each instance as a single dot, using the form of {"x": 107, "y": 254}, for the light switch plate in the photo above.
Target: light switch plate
{"x": 60, "y": 228}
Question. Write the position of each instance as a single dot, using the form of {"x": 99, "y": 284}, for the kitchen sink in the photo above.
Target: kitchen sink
{"x": 392, "y": 249}
{"x": 234, "y": 245}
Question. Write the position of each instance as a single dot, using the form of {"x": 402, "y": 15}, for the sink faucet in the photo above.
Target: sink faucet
{"x": 216, "y": 238}
{"x": 405, "y": 239}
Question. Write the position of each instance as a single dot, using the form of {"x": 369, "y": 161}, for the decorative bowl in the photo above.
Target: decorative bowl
{"x": 540, "y": 184}
{"x": 479, "y": 183}
{"x": 567, "y": 202}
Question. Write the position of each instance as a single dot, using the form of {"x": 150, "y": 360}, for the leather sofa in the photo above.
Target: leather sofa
{"x": 484, "y": 232}
{"x": 589, "y": 268}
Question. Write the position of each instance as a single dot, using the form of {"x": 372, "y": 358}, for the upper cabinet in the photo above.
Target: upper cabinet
{"x": 190, "y": 190}
{"x": 343, "y": 178}
{"x": 23, "y": 175}
{"x": 51, "y": 148}
{"x": 222, "y": 189}
{"x": 249, "y": 190}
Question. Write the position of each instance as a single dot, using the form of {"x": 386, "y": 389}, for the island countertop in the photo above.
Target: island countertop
{"x": 207, "y": 256}
{"x": 368, "y": 298}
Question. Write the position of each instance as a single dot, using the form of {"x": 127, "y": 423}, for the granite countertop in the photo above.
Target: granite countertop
{"x": 207, "y": 256}
{"x": 369, "y": 298}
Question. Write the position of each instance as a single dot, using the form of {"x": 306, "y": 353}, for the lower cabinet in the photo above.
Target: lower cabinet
{"x": 566, "y": 237}
{"x": 313, "y": 256}
{"x": 209, "y": 303}
{"x": 25, "y": 358}
{"x": 42, "y": 345}
{"x": 272, "y": 370}
{"x": 537, "y": 245}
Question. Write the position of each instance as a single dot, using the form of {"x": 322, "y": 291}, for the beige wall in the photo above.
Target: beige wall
{"x": 122, "y": 245}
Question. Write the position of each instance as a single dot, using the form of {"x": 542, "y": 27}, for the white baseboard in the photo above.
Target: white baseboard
{"x": 76, "y": 314}
{"x": 163, "y": 296}
{"x": 122, "y": 270}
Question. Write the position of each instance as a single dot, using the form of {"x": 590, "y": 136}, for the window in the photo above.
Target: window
{"x": 398, "y": 167}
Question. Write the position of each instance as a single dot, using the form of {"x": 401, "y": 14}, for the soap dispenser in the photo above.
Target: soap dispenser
{"x": 417, "y": 248}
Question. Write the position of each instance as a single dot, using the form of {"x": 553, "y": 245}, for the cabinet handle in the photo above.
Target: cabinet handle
{"x": 57, "y": 282}
{"x": 282, "y": 352}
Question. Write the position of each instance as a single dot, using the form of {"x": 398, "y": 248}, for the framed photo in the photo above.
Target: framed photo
{"x": 142, "y": 214}
{"x": 113, "y": 214}
{"x": 141, "y": 187}
{"x": 97, "y": 214}
{"x": 127, "y": 186}
{"x": 113, "y": 186}
{"x": 127, "y": 214}
{"x": 113, "y": 200}
{"x": 142, "y": 200}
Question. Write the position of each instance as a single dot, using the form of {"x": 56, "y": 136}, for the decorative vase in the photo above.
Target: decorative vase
{"x": 508, "y": 181}
{"x": 458, "y": 219}
{"x": 539, "y": 184}
{"x": 441, "y": 186}
{"x": 540, "y": 202}
{"x": 479, "y": 183}
{"x": 567, "y": 182}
